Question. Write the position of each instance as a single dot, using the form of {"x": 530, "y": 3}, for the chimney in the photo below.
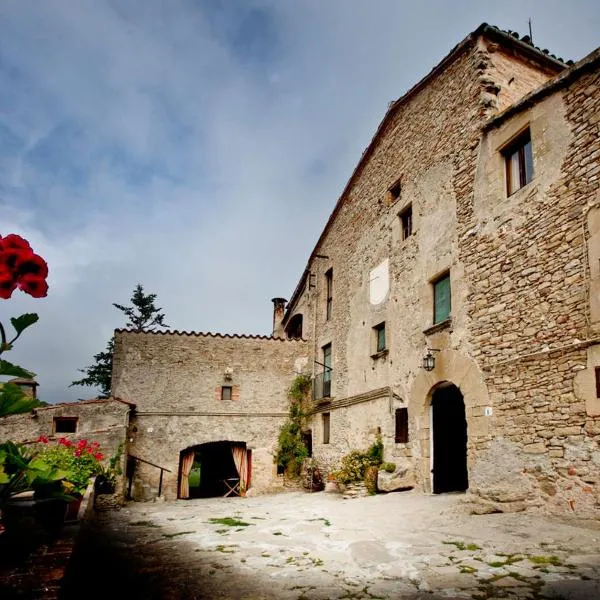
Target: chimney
{"x": 278, "y": 312}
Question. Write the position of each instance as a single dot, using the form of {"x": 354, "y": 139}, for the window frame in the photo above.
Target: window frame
{"x": 223, "y": 394}
{"x": 401, "y": 426}
{"x": 405, "y": 217}
{"x": 327, "y": 352}
{"x": 521, "y": 147}
{"x": 377, "y": 331}
{"x": 435, "y": 283}
{"x": 597, "y": 372}
{"x": 59, "y": 420}
{"x": 326, "y": 421}
{"x": 395, "y": 191}
{"x": 328, "y": 293}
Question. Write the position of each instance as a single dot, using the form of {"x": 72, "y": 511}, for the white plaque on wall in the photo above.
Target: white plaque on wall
{"x": 379, "y": 282}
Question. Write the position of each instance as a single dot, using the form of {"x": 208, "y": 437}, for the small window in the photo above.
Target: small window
{"x": 401, "y": 434}
{"x": 226, "y": 392}
{"x": 442, "y": 301}
{"x": 379, "y": 336}
{"x": 329, "y": 287}
{"x": 406, "y": 222}
{"x": 597, "y": 382}
{"x": 326, "y": 423}
{"x": 327, "y": 371}
{"x": 395, "y": 191}
{"x": 518, "y": 157}
{"x": 65, "y": 424}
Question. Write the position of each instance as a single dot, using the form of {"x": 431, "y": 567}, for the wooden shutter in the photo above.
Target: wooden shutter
{"x": 401, "y": 436}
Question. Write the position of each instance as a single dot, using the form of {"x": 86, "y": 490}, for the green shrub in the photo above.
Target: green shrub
{"x": 354, "y": 465}
{"x": 291, "y": 450}
{"x": 389, "y": 467}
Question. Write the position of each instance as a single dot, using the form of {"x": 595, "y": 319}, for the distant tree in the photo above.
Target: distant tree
{"x": 143, "y": 315}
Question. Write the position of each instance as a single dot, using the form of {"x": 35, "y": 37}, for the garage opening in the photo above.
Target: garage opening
{"x": 449, "y": 425}
{"x": 215, "y": 469}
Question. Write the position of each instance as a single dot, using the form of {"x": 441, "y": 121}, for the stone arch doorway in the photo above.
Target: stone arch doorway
{"x": 448, "y": 440}
{"x": 214, "y": 469}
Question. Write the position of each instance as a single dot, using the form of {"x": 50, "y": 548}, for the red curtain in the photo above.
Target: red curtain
{"x": 240, "y": 458}
{"x": 187, "y": 462}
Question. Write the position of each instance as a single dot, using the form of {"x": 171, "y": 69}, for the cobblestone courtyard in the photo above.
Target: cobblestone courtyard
{"x": 318, "y": 546}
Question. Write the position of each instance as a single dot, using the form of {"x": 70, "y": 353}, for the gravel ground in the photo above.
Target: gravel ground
{"x": 319, "y": 546}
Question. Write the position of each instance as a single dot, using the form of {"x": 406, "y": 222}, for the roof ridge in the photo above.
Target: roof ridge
{"x": 239, "y": 336}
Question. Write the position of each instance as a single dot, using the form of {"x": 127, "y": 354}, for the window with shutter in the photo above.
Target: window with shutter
{"x": 442, "y": 302}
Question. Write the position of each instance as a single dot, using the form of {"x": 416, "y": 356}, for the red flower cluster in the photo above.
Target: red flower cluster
{"x": 82, "y": 447}
{"x": 21, "y": 268}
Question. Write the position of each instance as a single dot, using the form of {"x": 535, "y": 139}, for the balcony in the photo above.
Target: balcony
{"x": 322, "y": 386}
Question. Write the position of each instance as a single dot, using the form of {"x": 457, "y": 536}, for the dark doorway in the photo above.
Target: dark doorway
{"x": 212, "y": 471}
{"x": 449, "y": 440}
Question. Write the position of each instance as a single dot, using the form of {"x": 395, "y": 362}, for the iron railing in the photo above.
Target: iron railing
{"x": 322, "y": 385}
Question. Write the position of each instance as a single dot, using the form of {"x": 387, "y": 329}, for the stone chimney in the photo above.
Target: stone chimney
{"x": 278, "y": 312}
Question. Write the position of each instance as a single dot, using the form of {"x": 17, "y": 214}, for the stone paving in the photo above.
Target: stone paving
{"x": 318, "y": 546}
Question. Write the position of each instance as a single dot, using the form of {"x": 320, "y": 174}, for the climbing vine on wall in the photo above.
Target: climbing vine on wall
{"x": 291, "y": 450}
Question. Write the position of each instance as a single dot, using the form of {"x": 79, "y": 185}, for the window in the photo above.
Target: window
{"x": 518, "y": 157}
{"x": 597, "y": 382}
{"x": 326, "y": 423}
{"x": 401, "y": 434}
{"x": 379, "y": 337}
{"x": 406, "y": 222}
{"x": 395, "y": 191}
{"x": 65, "y": 424}
{"x": 441, "y": 299}
{"x": 327, "y": 371}
{"x": 329, "y": 287}
{"x": 226, "y": 392}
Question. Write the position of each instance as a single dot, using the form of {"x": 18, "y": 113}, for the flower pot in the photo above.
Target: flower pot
{"x": 73, "y": 509}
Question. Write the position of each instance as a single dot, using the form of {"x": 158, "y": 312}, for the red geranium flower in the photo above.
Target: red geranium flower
{"x": 7, "y": 282}
{"x": 42, "y": 439}
{"x": 81, "y": 444}
{"x": 99, "y": 456}
{"x": 33, "y": 285}
{"x": 12, "y": 240}
{"x": 32, "y": 264}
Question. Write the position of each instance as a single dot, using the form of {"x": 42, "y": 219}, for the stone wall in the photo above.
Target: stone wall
{"x": 175, "y": 380}
{"x": 522, "y": 280}
{"x": 102, "y": 421}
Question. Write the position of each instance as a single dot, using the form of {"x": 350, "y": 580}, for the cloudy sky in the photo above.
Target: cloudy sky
{"x": 198, "y": 146}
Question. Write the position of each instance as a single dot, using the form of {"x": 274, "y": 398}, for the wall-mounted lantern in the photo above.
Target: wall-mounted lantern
{"x": 429, "y": 360}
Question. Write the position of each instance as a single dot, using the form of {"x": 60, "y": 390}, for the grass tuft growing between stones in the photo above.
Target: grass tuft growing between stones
{"x": 144, "y": 524}
{"x": 229, "y": 521}
{"x": 462, "y": 545}
{"x": 546, "y": 560}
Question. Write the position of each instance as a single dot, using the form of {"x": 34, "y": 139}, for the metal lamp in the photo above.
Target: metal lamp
{"x": 429, "y": 359}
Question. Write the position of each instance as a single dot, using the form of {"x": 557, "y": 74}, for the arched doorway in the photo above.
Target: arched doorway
{"x": 449, "y": 440}
{"x": 214, "y": 469}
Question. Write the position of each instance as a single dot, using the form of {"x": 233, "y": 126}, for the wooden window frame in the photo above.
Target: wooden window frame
{"x": 224, "y": 394}
{"x": 518, "y": 146}
{"x": 327, "y": 369}
{"x": 435, "y": 283}
{"x": 57, "y": 420}
{"x": 377, "y": 330}
{"x": 406, "y": 222}
{"x": 395, "y": 191}
{"x": 401, "y": 426}
{"x": 597, "y": 372}
{"x": 329, "y": 293}
{"x": 326, "y": 418}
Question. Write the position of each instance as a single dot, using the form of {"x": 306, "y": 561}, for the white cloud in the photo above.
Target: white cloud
{"x": 199, "y": 152}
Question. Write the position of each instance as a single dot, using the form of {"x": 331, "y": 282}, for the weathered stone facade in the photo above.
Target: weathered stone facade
{"x": 103, "y": 421}
{"x": 175, "y": 380}
{"x": 521, "y": 344}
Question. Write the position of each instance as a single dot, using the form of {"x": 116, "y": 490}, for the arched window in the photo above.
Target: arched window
{"x": 294, "y": 328}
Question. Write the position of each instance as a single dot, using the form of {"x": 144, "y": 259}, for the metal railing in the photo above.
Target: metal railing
{"x": 322, "y": 385}
{"x": 131, "y": 463}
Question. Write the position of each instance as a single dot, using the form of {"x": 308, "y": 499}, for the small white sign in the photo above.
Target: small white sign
{"x": 487, "y": 411}
{"x": 150, "y": 429}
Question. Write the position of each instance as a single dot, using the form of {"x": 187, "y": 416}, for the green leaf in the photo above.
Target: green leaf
{"x": 24, "y": 321}
{"x": 7, "y": 368}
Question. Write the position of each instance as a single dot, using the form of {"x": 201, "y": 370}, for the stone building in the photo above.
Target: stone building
{"x": 451, "y": 305}
{"x": 209, "y": 408}
{"x": 452, "y": 301}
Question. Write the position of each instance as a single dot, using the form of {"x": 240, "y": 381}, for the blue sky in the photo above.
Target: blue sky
{"x": 198, "y": 146}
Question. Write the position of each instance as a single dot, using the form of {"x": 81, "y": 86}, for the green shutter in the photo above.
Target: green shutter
{"x": 441, "y": 300}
